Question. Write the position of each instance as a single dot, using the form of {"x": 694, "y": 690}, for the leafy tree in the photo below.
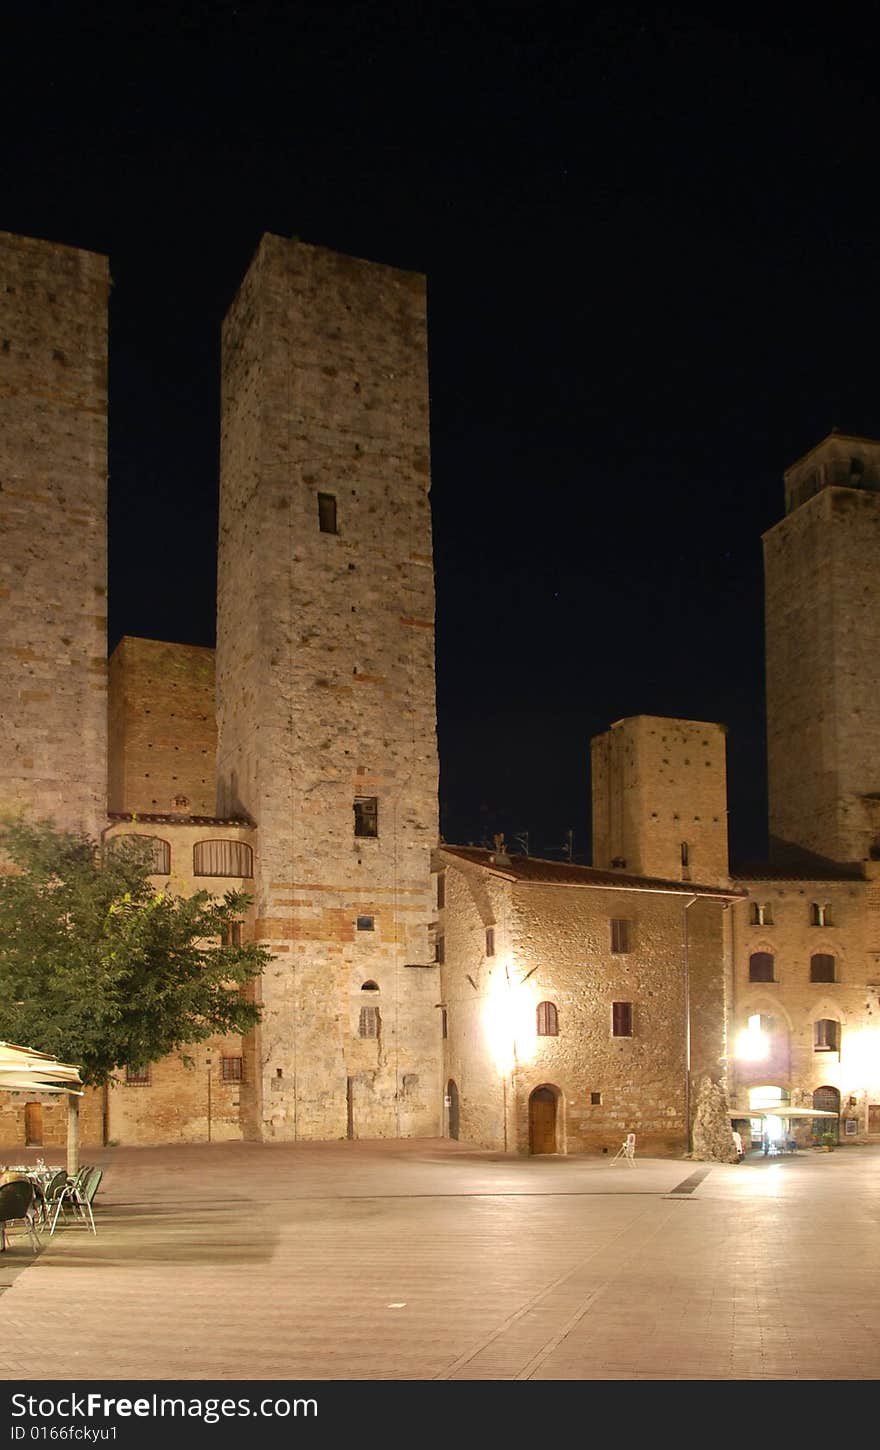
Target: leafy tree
{"x": 101, "y": 969}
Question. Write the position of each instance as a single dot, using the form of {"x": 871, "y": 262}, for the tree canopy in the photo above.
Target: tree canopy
{"x": 103, "y": 970}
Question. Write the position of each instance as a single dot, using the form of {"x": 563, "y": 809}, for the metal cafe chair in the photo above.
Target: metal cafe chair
{"x": 66, "y": 1196}
{"x": 17, "y": 1201}
{"x": 56, "y": 1184}
{"x": 627, "y": 1150}
{"x": 86, "y": 1194}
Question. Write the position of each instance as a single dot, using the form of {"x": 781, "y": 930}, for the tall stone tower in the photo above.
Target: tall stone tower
{"x": 325, "y": 686}
{"x": 822, "y": 589}
{"x": 53, "y": 514}
{"x": 660, "y": 799}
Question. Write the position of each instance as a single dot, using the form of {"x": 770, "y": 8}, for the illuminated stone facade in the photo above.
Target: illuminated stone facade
{"x": 579, "y": 1005}
{"x": 523, "y": 1005}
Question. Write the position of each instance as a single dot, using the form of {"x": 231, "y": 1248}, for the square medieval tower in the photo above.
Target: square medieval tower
{"x": 53, "y": 517}
{"x": 325, "y": 686}
{"x": 823, "y": 647}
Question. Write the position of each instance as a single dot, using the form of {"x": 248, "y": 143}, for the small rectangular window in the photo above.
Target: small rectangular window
{"x": 230, "y": 1069}
{"x": 232, "y": 934}
{"x": 440, "y": 950}
{"x": 366, "y": 815}
{"x": 490, "y": 941}
{"x": 368, "y": 1022}
{"x": 595, "y": 1100}
{"x": 365, "y": 923}
{"x": 685, "y": 854}
{"x": 620, "y": 934}
{"x": 327, "y": 513}
{"x": 621, "y": 1019}
{"x": 138, "y": 1076}
{"x": 441, "y": 890}
{"x": 444, "y": 1023}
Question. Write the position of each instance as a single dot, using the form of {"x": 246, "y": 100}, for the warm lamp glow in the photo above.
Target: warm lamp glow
{"x": 860, "y": 1057}
{"x": 752, "y": 1044}
{"x": 509, "y": 1020}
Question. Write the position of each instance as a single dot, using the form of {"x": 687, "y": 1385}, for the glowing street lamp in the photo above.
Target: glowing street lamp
{"x": 752, "y": 1044}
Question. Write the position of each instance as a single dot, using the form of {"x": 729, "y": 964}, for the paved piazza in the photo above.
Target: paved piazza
{"x": 427, "y": 1260}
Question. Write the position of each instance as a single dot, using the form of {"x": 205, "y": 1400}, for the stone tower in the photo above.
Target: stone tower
{"x": 53, "y": 509}
{"x": 822, "y": 589}
{"x": 325, "y": 686}
{"x": 660, "y": 799}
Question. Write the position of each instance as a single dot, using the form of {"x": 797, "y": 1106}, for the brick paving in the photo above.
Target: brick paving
{"x": 425, "y": 1260}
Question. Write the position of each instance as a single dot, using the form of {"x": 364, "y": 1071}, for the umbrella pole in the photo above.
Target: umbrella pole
{"x": 72, "y": 1134}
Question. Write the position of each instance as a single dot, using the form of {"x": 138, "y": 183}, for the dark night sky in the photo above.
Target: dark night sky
{"x": 650, "y": 242}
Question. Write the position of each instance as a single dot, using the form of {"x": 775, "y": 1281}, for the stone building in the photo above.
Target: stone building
{"x": 577, "y": 1005}
{"x": 805, "y": 1015}
{"x": 524, "y": 1005}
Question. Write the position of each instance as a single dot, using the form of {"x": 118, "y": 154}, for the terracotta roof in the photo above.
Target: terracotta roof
{"x": 530, "y": 870}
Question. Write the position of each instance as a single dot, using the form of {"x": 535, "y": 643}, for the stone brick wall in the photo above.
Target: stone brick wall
{"x": 554, "y": 944}
{"x": 50, "y": 1122}
{"x": 660, "y": 798}
{"x": 163, "y": 731}
{"x": 792, "y": 1003}
{"x": 53, "y": 504}
{"x": 823, "y": 645}
{"x": 325, "y": 682}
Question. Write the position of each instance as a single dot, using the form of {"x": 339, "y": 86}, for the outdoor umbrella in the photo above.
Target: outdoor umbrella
{"x": 23, "y": 1069}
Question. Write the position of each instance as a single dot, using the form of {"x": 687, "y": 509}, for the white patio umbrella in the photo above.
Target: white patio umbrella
{"x": 23, "y": 1069}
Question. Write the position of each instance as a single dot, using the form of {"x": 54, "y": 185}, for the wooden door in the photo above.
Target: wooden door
{"x": 542, "y": 1121}
{"x": 33, "y": 1124}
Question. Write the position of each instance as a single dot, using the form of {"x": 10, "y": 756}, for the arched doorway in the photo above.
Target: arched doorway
{"x": 542, "y": 1120}
{"x": 452, "y": 1107}
{"x": 826, "y": 1100}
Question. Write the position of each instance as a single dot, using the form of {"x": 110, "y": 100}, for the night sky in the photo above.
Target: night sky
{"x": 650, "y": 242}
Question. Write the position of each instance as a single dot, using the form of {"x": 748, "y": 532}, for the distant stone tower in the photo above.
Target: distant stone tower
{"x": 660, "y": 799}
{"x": 822, "y": 588}
{"x": 325, "y": 686}
{"x": 53, "y": 515}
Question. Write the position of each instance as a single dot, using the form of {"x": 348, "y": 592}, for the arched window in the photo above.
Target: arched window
{"x": 821, "y": 967}
{"x": 222, "y": 858}
{"x": 761, "y": 967}
{"x": 157, "y": 852}
{"x": 826, "y": 1035}
{"x": 370, "y": 987}
{"x": 368, "y": 1025}
{"x": 548, "y": 1020}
